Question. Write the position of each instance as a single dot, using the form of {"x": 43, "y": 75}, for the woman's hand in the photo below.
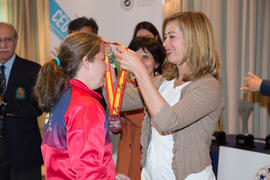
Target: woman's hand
{"x": 108, "y": 49}
{"x": 129, "y": 60}
{"x": 251, "y": 83}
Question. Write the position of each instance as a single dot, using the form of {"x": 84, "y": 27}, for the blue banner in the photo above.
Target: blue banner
{"x": 59, "y": 20}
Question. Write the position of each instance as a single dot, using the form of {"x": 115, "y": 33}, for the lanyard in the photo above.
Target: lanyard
{"x": 114, "y": 96}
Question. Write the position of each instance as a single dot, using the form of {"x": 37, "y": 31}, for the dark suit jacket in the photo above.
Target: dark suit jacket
{"x": 21, "y": 132}
{"x": 265, "y": 87}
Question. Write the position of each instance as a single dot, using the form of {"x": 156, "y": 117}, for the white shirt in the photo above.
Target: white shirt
{"x": 158, "y": 163}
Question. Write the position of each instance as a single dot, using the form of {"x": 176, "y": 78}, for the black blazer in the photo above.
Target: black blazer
{"x": 265, "y": 87}
{"x": 21, "y": 132}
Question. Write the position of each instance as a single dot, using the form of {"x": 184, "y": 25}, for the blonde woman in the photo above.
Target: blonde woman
{"x": 183, "y": 106}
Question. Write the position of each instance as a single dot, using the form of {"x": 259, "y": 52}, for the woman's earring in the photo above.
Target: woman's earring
{"x": 155, "y": 71}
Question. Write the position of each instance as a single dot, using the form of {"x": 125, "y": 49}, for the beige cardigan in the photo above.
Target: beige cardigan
{"x": 192, "y": 119}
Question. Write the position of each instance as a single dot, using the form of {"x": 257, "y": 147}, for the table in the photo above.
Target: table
{"x": 229, "y": 150}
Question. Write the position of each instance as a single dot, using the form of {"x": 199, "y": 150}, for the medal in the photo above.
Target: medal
{"x": 116, "y": 123}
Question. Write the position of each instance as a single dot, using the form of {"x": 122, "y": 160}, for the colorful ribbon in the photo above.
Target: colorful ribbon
{"x": 114, "y": 96}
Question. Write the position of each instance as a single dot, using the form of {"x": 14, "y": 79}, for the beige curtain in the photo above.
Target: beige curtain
{"x": 242, "y": 32}
{"x": 3, "y": 13}
{"x": 31, "y": 19}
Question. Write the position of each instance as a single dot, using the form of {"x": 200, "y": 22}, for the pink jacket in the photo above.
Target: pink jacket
{"x": 76, "y": 141}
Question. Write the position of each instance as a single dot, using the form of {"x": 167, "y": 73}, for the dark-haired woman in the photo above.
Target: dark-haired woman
{"x": 146, "y": 29}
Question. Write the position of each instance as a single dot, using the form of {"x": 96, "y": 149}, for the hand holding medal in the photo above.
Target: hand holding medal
{"x": 128, "y": 60}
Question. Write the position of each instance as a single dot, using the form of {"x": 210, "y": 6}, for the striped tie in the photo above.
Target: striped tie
{"x": 2, "y": 80}
{"x": 2, "y": 91}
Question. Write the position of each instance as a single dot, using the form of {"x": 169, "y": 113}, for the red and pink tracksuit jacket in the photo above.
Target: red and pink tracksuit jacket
{"x": 76, "y": 141}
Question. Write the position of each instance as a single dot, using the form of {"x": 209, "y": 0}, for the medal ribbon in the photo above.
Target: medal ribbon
{"x": 114, "y": 96}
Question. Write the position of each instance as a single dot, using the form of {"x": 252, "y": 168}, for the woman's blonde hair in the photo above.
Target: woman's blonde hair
{"x": 199, "y": 53}
{"x": 53, "y": 77}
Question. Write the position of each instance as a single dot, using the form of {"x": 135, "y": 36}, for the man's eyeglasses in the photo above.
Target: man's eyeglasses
{"x": 7, "y": 39}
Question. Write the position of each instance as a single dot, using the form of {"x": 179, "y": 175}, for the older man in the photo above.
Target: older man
{"x": 20, "y": 140}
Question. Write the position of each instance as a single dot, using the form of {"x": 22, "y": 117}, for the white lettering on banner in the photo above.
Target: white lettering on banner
{"x": 61, "y": 20}
{"x": 54, "y": 19}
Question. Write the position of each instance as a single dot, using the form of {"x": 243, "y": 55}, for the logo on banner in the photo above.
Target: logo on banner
{"x": 59, "y": 20}
{"x": 127, "y": 4}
